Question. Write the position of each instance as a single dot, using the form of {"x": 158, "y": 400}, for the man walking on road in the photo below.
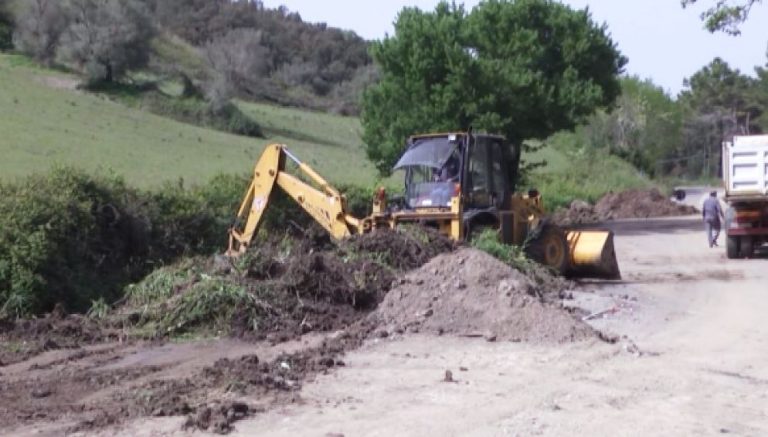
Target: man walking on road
{"x": 712, "y": 214}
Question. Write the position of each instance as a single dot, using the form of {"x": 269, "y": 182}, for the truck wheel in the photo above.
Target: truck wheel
{"x": 550, "y": 248}
{"x": 732, "y": 247}
{"x": 747, "y": 247}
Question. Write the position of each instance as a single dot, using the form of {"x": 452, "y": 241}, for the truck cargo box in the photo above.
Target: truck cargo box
{"x": 745, "y": 167}
{"x": 745, "y": 173}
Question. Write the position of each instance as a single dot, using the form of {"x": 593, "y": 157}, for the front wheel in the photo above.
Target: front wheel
{"x": 550, "y": 248}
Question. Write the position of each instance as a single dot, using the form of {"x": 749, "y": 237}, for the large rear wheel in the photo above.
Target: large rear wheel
{"x": 747, "y": 247}
{"x": 550, "y": 248}
{"x": 732, "y": 247}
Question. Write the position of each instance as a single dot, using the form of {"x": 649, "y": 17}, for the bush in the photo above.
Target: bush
{"x": 72, "y": 238}
{"x": 68, "y": 237}
{"x": 63, "y": 238}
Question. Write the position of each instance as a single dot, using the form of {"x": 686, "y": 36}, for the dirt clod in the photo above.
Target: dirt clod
{"x": 448, "y": 376}
{"x": 217, "y": 418}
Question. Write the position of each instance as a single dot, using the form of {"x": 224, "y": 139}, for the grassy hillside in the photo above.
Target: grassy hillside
{"x": 45, "y": 121}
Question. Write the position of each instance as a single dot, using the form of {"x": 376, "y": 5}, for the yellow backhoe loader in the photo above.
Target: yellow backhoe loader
{"x": 459, "y": 183}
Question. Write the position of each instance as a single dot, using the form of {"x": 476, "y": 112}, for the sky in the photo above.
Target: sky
{"x": 663, "y": 41}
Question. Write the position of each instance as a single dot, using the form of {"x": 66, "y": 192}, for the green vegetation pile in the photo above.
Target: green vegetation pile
{"x": 279, "y": 289}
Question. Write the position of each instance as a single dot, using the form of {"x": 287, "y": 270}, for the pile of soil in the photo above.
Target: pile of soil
{"x": 579, "y": 212}
{"x": 624, "y": 205}
{"x": 282, "y": 289}
{"x": 470, "y": 293}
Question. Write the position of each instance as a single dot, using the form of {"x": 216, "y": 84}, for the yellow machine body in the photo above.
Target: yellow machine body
{"x": 576, "y": 253}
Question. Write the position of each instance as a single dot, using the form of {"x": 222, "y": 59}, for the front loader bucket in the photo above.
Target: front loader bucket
{"x": 592, "y": 254}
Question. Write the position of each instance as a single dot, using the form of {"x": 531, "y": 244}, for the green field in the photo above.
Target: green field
{"x": 45, "y": 122}
{"x": 573, "y": 173}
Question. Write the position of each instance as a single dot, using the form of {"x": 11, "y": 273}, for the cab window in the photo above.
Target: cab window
{"x": 479, "y": 175}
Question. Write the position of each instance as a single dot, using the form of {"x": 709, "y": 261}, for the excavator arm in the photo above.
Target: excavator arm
{"x": 323, "y": 202}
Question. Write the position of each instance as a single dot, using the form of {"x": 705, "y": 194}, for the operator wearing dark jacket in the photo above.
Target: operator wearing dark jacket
{"x": 712, "y": 213}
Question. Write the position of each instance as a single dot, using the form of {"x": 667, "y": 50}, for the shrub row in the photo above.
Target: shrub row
{"x": 73, "y": 238}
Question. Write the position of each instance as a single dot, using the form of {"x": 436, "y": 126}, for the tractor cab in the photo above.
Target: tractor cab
{"x": 482, "y": 169}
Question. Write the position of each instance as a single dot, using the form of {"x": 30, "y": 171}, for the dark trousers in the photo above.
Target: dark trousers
{"x": 713, "y": 231}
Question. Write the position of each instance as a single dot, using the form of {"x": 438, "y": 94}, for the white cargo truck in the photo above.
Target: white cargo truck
{"x": 745, "y": 174}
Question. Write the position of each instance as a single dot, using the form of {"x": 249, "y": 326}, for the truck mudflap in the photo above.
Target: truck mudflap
{"x": 592, "y": 254}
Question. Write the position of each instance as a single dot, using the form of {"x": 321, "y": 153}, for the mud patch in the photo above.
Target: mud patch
{"x": 23, "y": 339}
{"x": 219, "y": 395}
{"x": 54, "y": 395}
{"x": 672, "y": 277}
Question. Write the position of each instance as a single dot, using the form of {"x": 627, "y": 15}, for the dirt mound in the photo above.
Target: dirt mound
{"x": 402, "y": 250}
{"x": 624, "y": 205}
{"x": 577, "y": 213}
{"x": 468, "y": 292}
{"x": 639, "y": 204}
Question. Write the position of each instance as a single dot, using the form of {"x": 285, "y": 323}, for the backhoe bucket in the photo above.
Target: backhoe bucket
{"x": 592, "y": 254}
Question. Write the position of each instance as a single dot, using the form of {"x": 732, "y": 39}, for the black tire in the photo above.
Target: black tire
{"x": 550, "y": 248}
{"x": 747, "y": 247}
{"x": 732, "y": 247}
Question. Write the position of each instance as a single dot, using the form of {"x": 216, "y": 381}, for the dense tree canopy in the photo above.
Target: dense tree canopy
{"x": 283, "y": 51}
{"x": 643, "y": 128}
{"x": 39, "y": 26}
{"x": 719, "y": 102}
{"x": 106, "y": 38}
{"x": 524, "y": 68}
{"x": 227, "y": 47}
